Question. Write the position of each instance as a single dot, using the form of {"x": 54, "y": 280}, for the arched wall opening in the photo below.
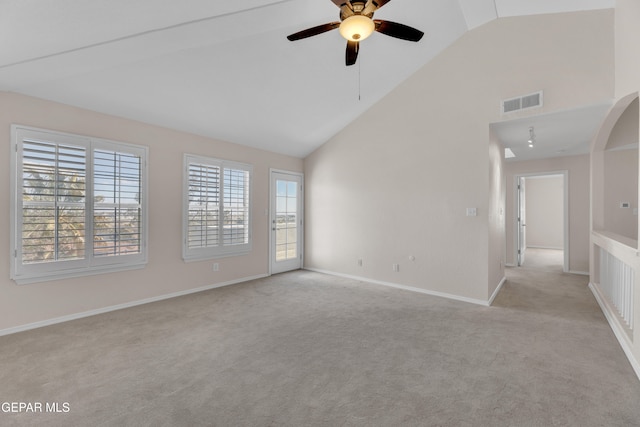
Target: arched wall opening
{"x": 613, "y": 253}
{"x": 614, "y": 179}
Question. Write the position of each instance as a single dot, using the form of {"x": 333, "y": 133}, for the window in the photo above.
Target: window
{"x": 216, "y": 208}
{"x": 79, "y": 205}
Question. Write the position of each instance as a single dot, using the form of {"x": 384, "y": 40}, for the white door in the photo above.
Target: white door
{"x": 286, "y": 221}
{"x": 522, "y": 224}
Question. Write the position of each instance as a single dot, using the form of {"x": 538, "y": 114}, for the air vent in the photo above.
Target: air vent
{"x": 524, "y": 102}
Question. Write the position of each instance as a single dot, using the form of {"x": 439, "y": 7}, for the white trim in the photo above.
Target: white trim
{"x": 495, "y": 293}
{"x": 582, "y": 273}
{"x": 70, "y": 274}
{"x": 565, "y": 175}
{"x": 89, "y": 264}
{"x": 271, "y": 216}
{"x": 516, "y": 223}
{"x": 404, "y": 287}
{"x": 621, "y": 335}
{"x": 555, "y": 248}
{"x": 89, "y": 313}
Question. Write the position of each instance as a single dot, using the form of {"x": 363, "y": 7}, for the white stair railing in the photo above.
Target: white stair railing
{"x": 616, "y": 282}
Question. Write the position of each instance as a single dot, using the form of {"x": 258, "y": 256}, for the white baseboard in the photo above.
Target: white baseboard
{"x": 495, "y": 293}
{"x": 557, "y": 248}
{"x": 404, "y": 287}
{"x": 582, "y": 273}
{"x": 615, "y": 327}
{"x": 75, "y": 316}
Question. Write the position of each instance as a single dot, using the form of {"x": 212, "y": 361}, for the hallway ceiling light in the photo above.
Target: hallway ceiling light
{"x": 532, "y": 137}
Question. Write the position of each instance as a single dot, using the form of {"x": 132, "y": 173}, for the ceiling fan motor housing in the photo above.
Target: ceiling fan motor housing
{"x": 356, "y": 8}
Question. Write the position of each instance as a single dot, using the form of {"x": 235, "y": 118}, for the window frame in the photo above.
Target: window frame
{"x": 23, "y": 273}
{"x": 221, "y": 250}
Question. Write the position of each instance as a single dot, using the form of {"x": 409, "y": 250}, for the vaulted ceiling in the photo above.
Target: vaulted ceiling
{"x": 224, "y": 69}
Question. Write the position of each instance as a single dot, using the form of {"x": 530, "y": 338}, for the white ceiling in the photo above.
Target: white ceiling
{"x": 224, "y": 69}
{"x": 562, "y": 133}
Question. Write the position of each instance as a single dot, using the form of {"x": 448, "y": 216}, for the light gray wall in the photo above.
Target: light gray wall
{"x": 396, "y": 183}
{"x": 627, "y": 86}
{"x": 621, "y": 175}
{"x": 621, "y": 186}
{"x": 166, "y": 272}
{"x": 545, "y": 211}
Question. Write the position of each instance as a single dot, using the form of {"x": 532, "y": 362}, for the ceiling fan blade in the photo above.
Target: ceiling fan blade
{"x": 352, "y": 52}
{"x": 381, "y": 3}
{"x": 314, "y": 31}
{"x": 373, "y": 5}
{"x": 339, "y": 3}
{"x": 399, "y": 31}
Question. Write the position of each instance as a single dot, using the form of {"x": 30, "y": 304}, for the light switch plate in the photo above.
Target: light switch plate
{"x": 472, "y": 211}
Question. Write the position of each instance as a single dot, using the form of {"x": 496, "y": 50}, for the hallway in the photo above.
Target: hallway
{"x": 564, "y": 317}
{"x": 544, "y": 259}
{"x": 540, "y": 286}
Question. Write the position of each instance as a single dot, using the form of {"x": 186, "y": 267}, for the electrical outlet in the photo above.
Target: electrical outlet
{"x": 359, "y": 262}
{"x": 216, "y": 266}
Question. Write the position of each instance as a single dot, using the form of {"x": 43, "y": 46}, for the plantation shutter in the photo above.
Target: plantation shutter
{"x": 236, "y": 207}
{"x": 204, "y": 206}
{"x": 53, "y": 201}
{"x": 78, "y": 205}
{"x": 117, "y": 211}
{"x": 217, "y": 198}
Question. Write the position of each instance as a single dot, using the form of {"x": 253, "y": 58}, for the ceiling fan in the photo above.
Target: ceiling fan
{"x": 357, "y": 23}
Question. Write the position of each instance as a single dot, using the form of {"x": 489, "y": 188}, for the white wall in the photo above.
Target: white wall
{"x": 627, "y": 40}
{"x": 621, "y": 186}
{"x": 545, "y": 211}
{"x": 496, "y": 215}
{"x": 621, "y": 175}
{"x": 396, "y": 183}
{"x": 627, "y": 86}
{"x": 166, "y": 273}
{"x": 578, "y": 169}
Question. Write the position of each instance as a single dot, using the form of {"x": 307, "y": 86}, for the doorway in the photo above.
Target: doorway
{"x": 542, "y": 217}
{"x": 286, "y": 221}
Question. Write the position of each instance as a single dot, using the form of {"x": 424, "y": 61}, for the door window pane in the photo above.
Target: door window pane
{"x": 286, "y": 220}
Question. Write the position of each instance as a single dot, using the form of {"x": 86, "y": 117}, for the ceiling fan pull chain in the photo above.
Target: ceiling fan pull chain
{"x": 359, "y": 79}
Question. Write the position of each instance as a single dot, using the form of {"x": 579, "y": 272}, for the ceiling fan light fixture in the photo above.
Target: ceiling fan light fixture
{"x": 357, "y": 28}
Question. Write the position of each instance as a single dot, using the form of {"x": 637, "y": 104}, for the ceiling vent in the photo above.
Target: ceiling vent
{"x": 533, "y": 100}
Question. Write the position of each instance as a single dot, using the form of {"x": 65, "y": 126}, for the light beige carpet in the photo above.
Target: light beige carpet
{"x": 306, "y": 349}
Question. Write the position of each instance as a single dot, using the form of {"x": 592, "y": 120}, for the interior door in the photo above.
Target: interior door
{"x": 286, "y": 221}
{"x": 522, "y": 224}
